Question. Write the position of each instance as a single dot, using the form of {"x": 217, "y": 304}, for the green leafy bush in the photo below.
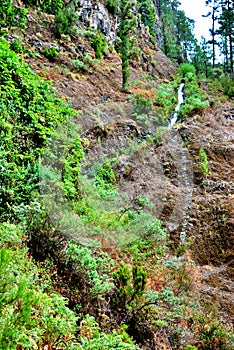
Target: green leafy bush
{"x": 29, "y": 318}
{"x": 212, "y": 335}
{"x": 186, "y": 68}
{"x": 228, "y": 86}
{"x": 49, "y": 6}
{"x": 80, "y": 65}
{"x": 194, "y": 105}
{"x": 203, "y": 166}
{"x": 65, "y": 21}
{"x": 105, "y": 180}
{"x": 99, "y": 44}
{"x": 93, "y": 339}
{"x": 92, "y": 270}
{"x": 30, "y": 109}
{"x": 130, "y": 285}
{"x": 51, "y": 53}
{"x": 142, "y": 103}
{"x": 16, "y": 46}
{"x": 12, "y": 15}
{"x": 112, "y": 6}
{"x": 196, "y": 101}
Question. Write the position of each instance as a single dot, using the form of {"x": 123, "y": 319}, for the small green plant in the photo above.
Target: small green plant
{"x": 93, "y": 270}
{"x": 99, "y": 44}
{"x": 190, "y": 347}
{"x": 11, "y": 15}
{"x": 112, "y": 6}
{"x": 228, "y": 86}
{"x": 88, "y": 59}
{"x": 186, "y": 68}
{"x": 92, "y": 338}
{"x": 29, "y": 317}
{"x": 65, "y": 21}
{"x": 80, "y": 65}
{"x": 51, "y": 53}
{"x": 49, "y": 6}
{"x": 16, "y": 46}
{"x": 142, "y": 201}
{"x": 71, "y": 169}
{"x": 203, "y": 166}
{"x": 213, "y": 336}
{"x": 105, "y": 180}
{"x": 142, "y": 103}
{"x": 194, "y": 104}
{"x": 130, "y": 285}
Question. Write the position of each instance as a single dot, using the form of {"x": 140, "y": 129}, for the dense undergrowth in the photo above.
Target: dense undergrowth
{"x": 70, "y": 277}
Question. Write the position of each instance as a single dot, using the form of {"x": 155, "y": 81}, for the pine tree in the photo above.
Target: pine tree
{"x": 177, "y": 30}
{"x": 185, "y": 36}
{"x": 226, "y": 31}
{"x": 200, "y": 57}
{"x": 214, "y": 13}
{"x": 126, "y": 30}
{"x": 148, "y": 15}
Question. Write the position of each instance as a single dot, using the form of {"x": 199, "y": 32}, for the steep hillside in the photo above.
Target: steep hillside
{"x": 108, "y": 114}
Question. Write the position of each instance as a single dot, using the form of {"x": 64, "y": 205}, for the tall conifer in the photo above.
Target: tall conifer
{"x": 127, "y": 28}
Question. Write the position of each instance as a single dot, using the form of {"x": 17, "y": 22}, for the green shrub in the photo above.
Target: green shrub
{"x": 130, "y": 285}
{"x": 193, "y": 105}
{"x": 186, "y": 68}
{"x": 91, "y": 61}
{"x": 16, "y": 46}
{"x": 80, "y": 65}
{"x": 65, "y": 21}
{"x": 12, "y": 15}
{"x": 228, "y": 86}
{"x": 49, "y": 6}
{"x": 112, "y": 6}
{"x": 92, "y": 269}
{"x": 214, "y": 336}
{"x": 51, "y": 53}
{"x": 30, "y": 109}
{"x": 142, "y": 103}
{"x": 99, "y": 44}
{"x": 71, "y": 169}
{"x": 203, "y": 166}
{"x": 196, "y": 101}
{"x": 166, "y": 99}
{"x": 29, "y": 318}
{"x": 93, "y": 339}
{"x": 105, "y": 180}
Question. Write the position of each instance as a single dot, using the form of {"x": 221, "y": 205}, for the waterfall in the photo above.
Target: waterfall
{"x": 174, "y": 116}
{"x": 187, "y": 183}
{"x": 186, "y": 180}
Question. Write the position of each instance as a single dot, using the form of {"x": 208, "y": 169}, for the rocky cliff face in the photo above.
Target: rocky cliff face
{"x": 93, "y": 14}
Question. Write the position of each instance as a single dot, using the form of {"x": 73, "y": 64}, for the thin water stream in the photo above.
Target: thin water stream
{"x": 184, "y": 161}
{"x": 174, "y": 116}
